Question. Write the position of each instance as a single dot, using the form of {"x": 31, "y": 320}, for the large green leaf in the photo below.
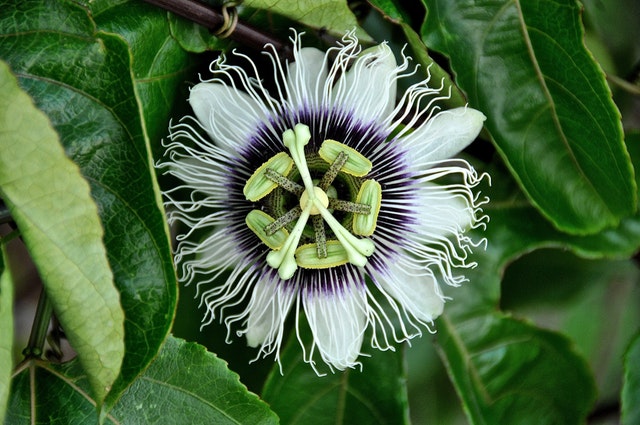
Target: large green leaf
{"x": 184, "y": 385}
{"x": 509, "y": 372}
{"x": 51, "y": 204}
{"x": 505, "y": 370}
{"x": 42, "y": 393}
{"x": 631, "y": 389}
{"x": 375, "y": 395}
{"x": 549, "y": 110}
{"x": 82, "y": 79}
{"x": 187, "y": 384}
{"x": 6, "y": 330}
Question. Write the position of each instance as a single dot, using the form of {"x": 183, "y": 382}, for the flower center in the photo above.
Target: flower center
{"x": 314, "y": 204}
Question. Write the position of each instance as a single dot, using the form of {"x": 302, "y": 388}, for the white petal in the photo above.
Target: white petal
{"x": 442, "y": 209}
{"x": 338, "y": 322}
{"x": 418, "y": 294}
{"x": 307, "y": 77}
{"x": 267, "y": 312}
{"x": 368, "y": 89}
{"x": 230, "y": 116}
{"x": 443, "y": 136}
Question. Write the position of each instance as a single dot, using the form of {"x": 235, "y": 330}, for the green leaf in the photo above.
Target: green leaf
{"x": 42, "y": 393}
{"x": 160, "y": 66}
{"x": 51, "y": 204}
{"x": 187, "y": 384}
{"x": 333, "y": 16}
{"x": 596, "y": 303}
{"x": 508, "y": 372}
{"x": 631, "y": 389}
{"x": 6, "y": 330}
{"x": 83, "y": 80}
{"x": 548, "y": 106}
{"x": 375, "y": 395}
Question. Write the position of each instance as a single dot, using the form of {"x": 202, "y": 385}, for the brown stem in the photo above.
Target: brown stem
{"x": 212, "y": 19}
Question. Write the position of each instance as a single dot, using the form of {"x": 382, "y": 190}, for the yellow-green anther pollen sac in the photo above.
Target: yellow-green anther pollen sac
{"x": 259, "y": 185}
{"x": 258, "y": 221}
{"x": 356, "y": 165}
{"x": 370, "y": 194}
{"x": 307, "y": 257}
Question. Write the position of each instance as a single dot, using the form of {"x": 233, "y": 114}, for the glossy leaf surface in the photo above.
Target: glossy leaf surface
{"x": 82, "y": 79}
{"x": 51, "y": 204}
{"x": 185, "y": 384}
{"x": 548, "y": 106}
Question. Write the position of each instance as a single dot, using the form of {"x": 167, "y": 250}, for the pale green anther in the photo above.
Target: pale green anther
{"x": 259, "y": 185}
{"x": 295, "y": 140}
{"x": 258, "y": 221}
{"x": 357, "y": 249}
{"x": 284, "y": 260}
{"x": 308, "y": 259}
{"x": 370, "y": 194}
{"x": 356, "y": 165}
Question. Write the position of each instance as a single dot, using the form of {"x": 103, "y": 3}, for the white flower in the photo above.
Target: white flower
{"x": 321, "y": 195}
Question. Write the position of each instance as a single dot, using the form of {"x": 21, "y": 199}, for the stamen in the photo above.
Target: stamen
{"x": 282, "y": 221}
{"x": 284, "y": 259}
{"x": 258, "y": 221}
{"x": 357, "y": 249}
{"x": 283, "y": 182}
{"x": 295, "y": 140}
{"x": 370, "y": 194}
{"x": 332, "y": 172}
{"x": 307, "y": 258}
{"x": 356, "y": 165}
{"x": 258, "y": 186}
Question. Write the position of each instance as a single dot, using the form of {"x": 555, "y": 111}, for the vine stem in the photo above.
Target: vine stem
{"x": 213, "y": 20}
{"x": 44, "y": 311}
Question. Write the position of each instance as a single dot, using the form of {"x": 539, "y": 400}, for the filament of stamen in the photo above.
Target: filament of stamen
{"x": 282, "y": 221}
{"x": 283, "y": 182}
